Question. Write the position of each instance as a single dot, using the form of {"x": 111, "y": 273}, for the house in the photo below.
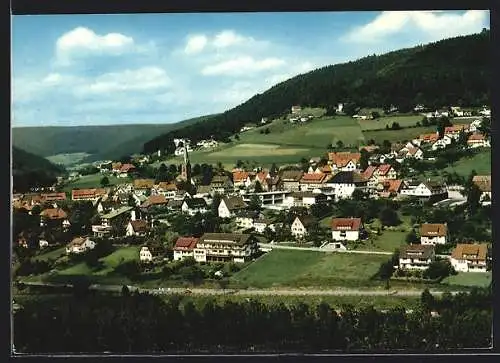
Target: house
{"x": 87, "y": 194}
{"x": 470, "y": 257}
{"x": 225, "y": 247}
{"x": 155, "y": 200}
{"x": 141, "y": 186}
{"x": 429, "y": 138}
{"x": 125, "y": 170}
{"x": 483, "y": 182}
{"x": 145, "y": 254}
{"x": 433, "y": 233}
{"x": 486, "y": 112}
{"x": 184, "y": 247}
{"x": 311, "y": 181}
{"x": 116, "y": 167}
{"x": 43, "y": 243}
{"x": 410, "y": 153}
{"x": 290, "y": 179}
{"x": 52, "y": 197}
{"x": 304, "y": 199}
{"x": 386, "y": 171}
{"x": 442, "y": 143}
{"x": 54, "y": 216}
{"x": 175, "y": 205}
{"x": 193, "y": 206}
{"x": 302, "y": 225}
{"x": 416, "y": 256}
{"x": 137, "y": 228}
{"x": 368, "y": 148}
{"x": 346, "y": 229}
{"x": 261, "y": 224}
{"x": 478, "y": 140}
{"x": 296, "y": 109}
{"x": 241, "y": 179}
{"x": 169, "y": 190}
{"x": 390, "y": 188}
{"x": 221, "y": 184}
{"x": 345, "y": 182}
{"x": 230, "y": 205}
{"x": 371, "y": 176}
{"x": 272, "y": 184}
{"x": 244, "y": 219}
{"x": 426, "y": 190}
{"x": 344, "y": 161}
{"x": 455, "y": 130}
{"x": 475, "y": 125}
{"x": 80, "y": 245}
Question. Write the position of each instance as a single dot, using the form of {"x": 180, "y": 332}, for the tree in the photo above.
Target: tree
{"x": 255, "y": 203}
{"x": 411, "y": 237}
{"x": 340, "y": 144}
{"x": 375, "y": 115}
{"x": 363, "y": 161}
{"x": 104, "y": 181}
{"x": 439, "y": 270}
{"x": 389, "y": 217}
{"x": 395, "y": 126}
{"x": 239, "y": 163}
{"x": 473, "y": 199}
{"x": 267, "y": 131}
{"x": 359, "y": 195}
{"x": 427, "y": 300}
{"x": 258, "y": 187}
{"x": 237, "y": 137}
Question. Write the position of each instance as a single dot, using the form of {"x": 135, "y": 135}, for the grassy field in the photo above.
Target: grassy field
{"x": 481, "y": 163}
{"x": 94, "y": 181}
{"x": 469, "y": 279}
{"x": 382, "y": 122}
{"x": 119, "y": 256}
{"x": 67, "y": 159}
{"x": 310, "y": 269}
{"x": 397, "y": 135}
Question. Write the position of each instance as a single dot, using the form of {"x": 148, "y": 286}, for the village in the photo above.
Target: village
{"x": 235, "y": 216}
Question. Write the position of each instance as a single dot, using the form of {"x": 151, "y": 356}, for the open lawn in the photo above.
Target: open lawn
{"x": 310, "y": 269}
{"x": 479, "y": 279}
{"x": 119, "y": 256}
{"x": 380, "y": 123}
{"x": 94, "y": 181}
{"x": 397, "y": 135}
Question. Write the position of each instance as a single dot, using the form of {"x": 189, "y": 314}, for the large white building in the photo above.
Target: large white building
{"x": 225, "y": 247}
{"x": 416, "y": 256}
{"x": 346, "y": 229}
{"x": 470, "y": 258}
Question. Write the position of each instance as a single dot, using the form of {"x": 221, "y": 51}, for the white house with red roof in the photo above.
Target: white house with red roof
{"x": 478, "y": 140}
{"x": 346, "y": 229}
{"x": 184, "y": 247}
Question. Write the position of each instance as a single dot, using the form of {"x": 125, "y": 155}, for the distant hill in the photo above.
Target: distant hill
{"x": 454, "y": 71}
{"x": 102, "y": 142}
{"x": 30, "y": 170}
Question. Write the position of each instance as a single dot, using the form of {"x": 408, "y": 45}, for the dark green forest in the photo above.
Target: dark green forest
{"x": 31, "y": 170}
{"x": 454, "y": 71}
{"x": 142, "y": 323}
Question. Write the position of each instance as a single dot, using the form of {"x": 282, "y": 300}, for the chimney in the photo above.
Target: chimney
{"x": 132, "y": 215}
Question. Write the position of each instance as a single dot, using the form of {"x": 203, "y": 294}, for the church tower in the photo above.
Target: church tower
{"x": 186, "y": 166}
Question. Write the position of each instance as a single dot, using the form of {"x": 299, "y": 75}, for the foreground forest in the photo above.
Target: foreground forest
{"x": 450, "y": 72}
{"x": 141, "y": 323}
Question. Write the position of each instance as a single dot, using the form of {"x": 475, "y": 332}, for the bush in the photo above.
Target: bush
{"x": 439, "y": 270}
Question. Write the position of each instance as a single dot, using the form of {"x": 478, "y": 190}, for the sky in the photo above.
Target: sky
{"x": 70, "y": 70}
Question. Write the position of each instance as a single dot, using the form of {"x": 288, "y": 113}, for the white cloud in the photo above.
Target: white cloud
{"x": 195, "y": 44}
{"x": 228, "y": 38}
{"x": 244, "y": 65}
{"x": 432, "y": 25}
{"x": 142, "y": 79}
{"x": 83, "y": 41}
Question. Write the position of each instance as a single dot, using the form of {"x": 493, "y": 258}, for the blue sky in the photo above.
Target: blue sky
{"x": 161, "y": 68}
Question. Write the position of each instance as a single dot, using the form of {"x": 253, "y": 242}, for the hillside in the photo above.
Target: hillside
{"x": 101, "y": 142}
{"x": 30, "y": 170}
{"x": 453, "y": 71}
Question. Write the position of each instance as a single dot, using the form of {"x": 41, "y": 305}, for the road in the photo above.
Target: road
{"x": 317, "y": 249}
{"x": 259, "y": 292}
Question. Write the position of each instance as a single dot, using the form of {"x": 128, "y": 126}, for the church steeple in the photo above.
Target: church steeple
{"x": 186, "y": 166}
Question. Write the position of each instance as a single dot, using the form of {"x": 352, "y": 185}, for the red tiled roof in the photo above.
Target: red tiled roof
{"x": 429, "y": 137}
{"x": 313, "y": 178}
{"x": 239, "y": 176}
{"x": 87, "y": 193}
{"x": 54, "y": 213}
{"x": 393, "y": 185}
{"x": 49, "y": 197}
{"x": 139, "y": 225}
{"x": 476, "y": 251}
{"x": 341, "y": 159}
{"x": 413, "y": 150}
{"x": 384, "y": 169}
{"x": 185, "y": 243}
{"x": 166, "y": 186}
{"x": 368, "y": 173}
{"x": 433, "y": 230}
{"x": 346, "y": 224}
{"x": 475, "y": 137}
{"x": 126, "y": 168}
{"x": 116, "y": 166}
{"x": 155, "y": 200}
{"x": 144, "y": 183}
{"x": 454, "y": 129}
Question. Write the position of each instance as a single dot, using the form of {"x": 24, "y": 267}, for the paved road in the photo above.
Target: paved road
{"x": 259, "y": 292}
{"x": 325, "y": 249}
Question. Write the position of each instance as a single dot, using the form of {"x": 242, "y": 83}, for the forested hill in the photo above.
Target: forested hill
{"x": 454, "y": 71}
{"x": 31, "y": 170}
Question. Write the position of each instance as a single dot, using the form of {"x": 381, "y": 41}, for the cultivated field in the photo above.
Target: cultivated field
{"x": 310, "y": 269}
{"x": 94, "y": 181}
{"x": 382, "y": 122}
{"x": 481, "y": 163}
{"x": 398, "y": 135}
{"x": 67, "y": 159}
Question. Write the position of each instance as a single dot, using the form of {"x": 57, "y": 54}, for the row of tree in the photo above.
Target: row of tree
{"x": 140, "y": 323}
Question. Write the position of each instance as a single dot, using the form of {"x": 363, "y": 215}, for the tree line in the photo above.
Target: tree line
{"x": 142, "y": 323}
